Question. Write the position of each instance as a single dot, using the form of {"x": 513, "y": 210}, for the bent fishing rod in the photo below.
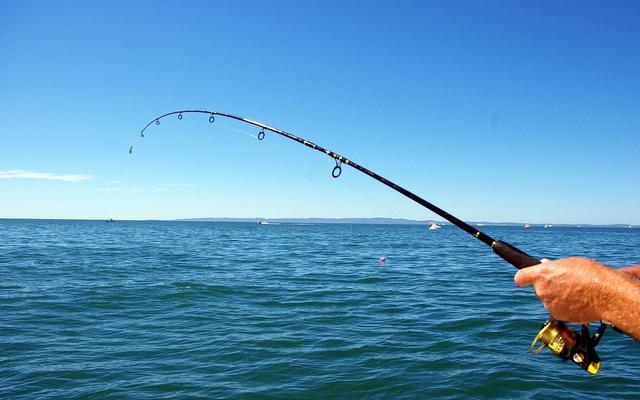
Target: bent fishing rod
{"x": 561, "y": 339}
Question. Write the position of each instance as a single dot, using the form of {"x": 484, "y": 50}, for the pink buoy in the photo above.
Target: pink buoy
{"x": 381, "y": 260}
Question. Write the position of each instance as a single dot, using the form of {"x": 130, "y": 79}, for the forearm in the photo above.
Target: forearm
{"x": 621, "y": 303}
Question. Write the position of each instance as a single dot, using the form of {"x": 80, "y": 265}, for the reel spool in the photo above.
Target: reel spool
{"x": 570, "y": 345}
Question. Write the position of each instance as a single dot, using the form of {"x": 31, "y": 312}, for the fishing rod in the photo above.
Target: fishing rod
{"x": 561, "y": 339}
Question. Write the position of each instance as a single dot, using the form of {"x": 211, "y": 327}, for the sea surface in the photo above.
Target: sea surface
{"x": 168, "y": 310}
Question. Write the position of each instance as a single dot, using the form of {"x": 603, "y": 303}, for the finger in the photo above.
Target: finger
{"x": 526, "y": 276}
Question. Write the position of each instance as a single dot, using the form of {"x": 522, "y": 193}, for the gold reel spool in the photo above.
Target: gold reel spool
{"x": 568, "y": 345}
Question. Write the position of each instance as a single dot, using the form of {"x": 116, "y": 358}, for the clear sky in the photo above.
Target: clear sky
{"x": 492, "y": 110}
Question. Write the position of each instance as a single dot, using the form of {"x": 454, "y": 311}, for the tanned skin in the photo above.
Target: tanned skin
{"x": 581, "y": 290}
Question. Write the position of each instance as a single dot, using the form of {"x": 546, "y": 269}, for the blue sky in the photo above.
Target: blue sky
{"x": 492, "y": 110}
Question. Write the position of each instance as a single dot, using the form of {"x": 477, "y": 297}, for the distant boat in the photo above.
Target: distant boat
{"x": 433, "y": 226}
{"x": 527, "y": 226}
{"x": 110, "y": 220}
{"x": 548, "y": 226}
{"x": 268, "y": 223}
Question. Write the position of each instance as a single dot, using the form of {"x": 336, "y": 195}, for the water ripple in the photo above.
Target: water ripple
{"x": 205, "y": 310}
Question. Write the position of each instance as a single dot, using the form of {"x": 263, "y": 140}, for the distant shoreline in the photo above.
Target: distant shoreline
{"x": 356, "y": 221}
{"x": 394, "y": 221}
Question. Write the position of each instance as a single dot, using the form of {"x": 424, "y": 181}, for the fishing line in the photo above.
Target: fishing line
{"x": 562, "y": 340}
{"x": 238, "y": 130}
{"x": 117, "y": 187}
{"x": 370, "y": 199}
{"x": 110, "y": 190}
{"x": 134, "y": 143}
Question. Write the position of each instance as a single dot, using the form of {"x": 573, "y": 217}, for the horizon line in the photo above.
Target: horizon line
{"x": 390, "y": 221}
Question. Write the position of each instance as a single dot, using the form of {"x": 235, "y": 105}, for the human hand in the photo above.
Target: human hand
{"x": 570, "y": 288}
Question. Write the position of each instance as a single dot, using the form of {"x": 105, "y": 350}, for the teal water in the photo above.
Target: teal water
{"x": 150, "y": 310}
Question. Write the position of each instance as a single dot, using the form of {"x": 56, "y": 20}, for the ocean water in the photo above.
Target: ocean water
{"x": 153, "y": 310}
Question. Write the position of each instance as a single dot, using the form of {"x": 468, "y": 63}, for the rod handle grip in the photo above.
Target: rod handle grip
{"x": 513, "y": 255}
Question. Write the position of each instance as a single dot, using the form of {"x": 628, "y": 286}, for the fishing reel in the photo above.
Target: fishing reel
{"x": 570, "y": 345}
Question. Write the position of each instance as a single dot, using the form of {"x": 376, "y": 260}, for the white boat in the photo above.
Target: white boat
{"x": 263, "y": 223}
{"x": 527, "y": 226}
{"x": 548, "y": 226}
{"x": 433, "y": 226}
